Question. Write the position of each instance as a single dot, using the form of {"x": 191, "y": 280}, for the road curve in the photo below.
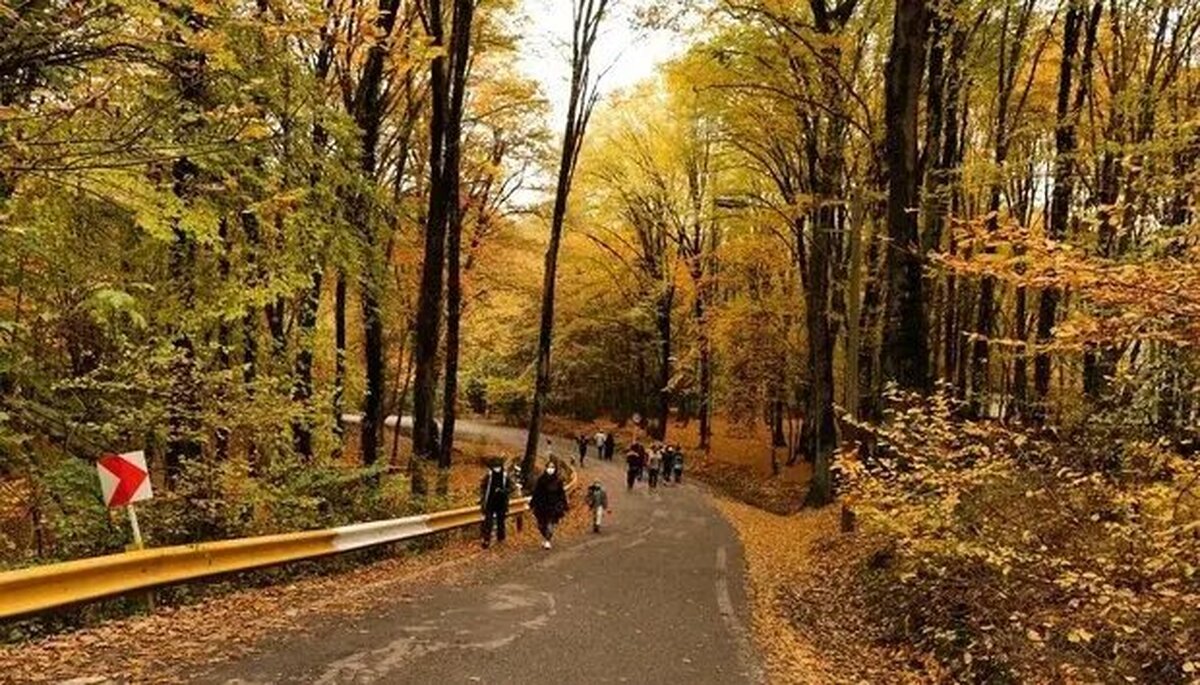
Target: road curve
{"x": 656, "y": 598}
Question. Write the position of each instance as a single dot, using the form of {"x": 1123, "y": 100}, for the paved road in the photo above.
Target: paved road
{"x": 656, "y": 598}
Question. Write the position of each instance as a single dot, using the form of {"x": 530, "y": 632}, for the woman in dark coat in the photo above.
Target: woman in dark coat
{"x": 549, "y": 502}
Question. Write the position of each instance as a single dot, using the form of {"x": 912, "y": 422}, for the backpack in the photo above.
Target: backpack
{"x": 497, "y": 486}
{"x": 596, "y": 496}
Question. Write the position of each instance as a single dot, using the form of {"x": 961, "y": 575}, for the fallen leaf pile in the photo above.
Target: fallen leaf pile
{"x": 744, "y": 484}
{"x": 807, "y": 616}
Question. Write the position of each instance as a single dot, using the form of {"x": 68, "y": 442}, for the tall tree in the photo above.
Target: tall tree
{"x": 369, "y": 110}
{"x": 587, "y": 18}
{"x": 825, "y": 143}
{"x": 905, "y": 347}
{"x": 429, "y": 304}
{"x": 464, "y": 11}
{"x": 1079, "y": 27}
{"x": 1011, "y": 46}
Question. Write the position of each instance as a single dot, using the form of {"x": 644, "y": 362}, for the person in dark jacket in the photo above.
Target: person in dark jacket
{"x": 549, "y": 502}
{"x": 494, "y": 492}
{"x": 610, "y": 446}
{"x": 582, "y": 442}
{"x": 677, "y": 464}
{"x": 635, "y": 461}
{"x": 668, "y": 463}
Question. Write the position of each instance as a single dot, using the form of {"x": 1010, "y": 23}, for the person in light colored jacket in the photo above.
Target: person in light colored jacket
{"x": 654, "y": 465}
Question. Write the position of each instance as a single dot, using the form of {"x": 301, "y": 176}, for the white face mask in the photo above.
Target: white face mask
{"x": 551, "y": 470}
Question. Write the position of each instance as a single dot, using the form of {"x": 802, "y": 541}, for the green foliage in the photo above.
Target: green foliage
{"x": 477, "y": 395}
{"x": 77, "y": 522}
{"x": 509, "y": 399}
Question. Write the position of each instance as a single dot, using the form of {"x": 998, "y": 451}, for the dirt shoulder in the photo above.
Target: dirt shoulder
{"x": 809, "y": 618}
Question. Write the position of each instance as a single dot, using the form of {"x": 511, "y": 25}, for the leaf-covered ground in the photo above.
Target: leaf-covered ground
{"x": 807, "y": 616}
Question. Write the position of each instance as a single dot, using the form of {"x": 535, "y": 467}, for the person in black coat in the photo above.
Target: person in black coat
{"x": 494, "y": 492}
{"x": 549, "y": 502}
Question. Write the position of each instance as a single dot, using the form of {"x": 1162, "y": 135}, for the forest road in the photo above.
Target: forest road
{"x": 656, "y": 598}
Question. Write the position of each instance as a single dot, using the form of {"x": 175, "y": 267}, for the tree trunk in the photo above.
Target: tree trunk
{"x": 819, "y": 432}
{"x": 302, "y": 388}
{"x": 854, "y": 303}
{"x": 662, "y": 316}
{"x": 588, "y": 16}
{"x": 1065, "y": 145}
{"x": 405, "y": 384}
{"x": 1020, "y": 381}
{"x": 870, "y": 374}
{"x": 905, "y": 346}
{"x": 250, "y": 227}
{"x": 339, "y": 364}
{"x": 429, "y": 303}
{"x": 549, "y": 281}
{"x": 224, "y": 341}
{"x": 778, "y": 414}
{"x": 369, "y": 111}
{"x": 310, "y": 304}
{"x": 463, "y": 15}
{"x": 275, "y": 311}
{"x": 184, "y": 410}
{"x": 705, "y": 408}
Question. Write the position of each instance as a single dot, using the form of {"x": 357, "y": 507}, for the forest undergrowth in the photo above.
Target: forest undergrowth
{"x": 979, "y": 552}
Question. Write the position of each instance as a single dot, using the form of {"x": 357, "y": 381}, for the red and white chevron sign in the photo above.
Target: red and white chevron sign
{"x": 124, "y": 478}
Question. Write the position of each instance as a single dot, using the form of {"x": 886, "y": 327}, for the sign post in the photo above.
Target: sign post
{"x": 125, "y": 479}
{"x": 137, "y": 530}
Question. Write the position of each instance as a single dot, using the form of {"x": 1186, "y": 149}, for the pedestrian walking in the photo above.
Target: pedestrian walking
{"x": 677, "y": 464}
{"x": 549, "y": 502}
{"x": 668, "y": 464}
{"x": 599, "y": 440}
{"x": 582, "y": 440}
{"x": 635, "y": 461}
{"x": 654, "y": 465}
{"x": 494, "y": 492}
{"x": 597, "y": 501}
{"x": 610, "y": 446}
{"x": 645, "y": 455}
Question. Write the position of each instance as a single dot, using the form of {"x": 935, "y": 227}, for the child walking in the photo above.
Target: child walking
{"x": 597, "y": 501}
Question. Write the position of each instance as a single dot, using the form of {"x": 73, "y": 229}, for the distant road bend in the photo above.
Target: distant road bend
{"x": 657, "y": 598}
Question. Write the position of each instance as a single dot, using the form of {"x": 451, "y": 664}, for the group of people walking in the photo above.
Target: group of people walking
{"x": 604, "y": 442}
{"x": 660, "y": 463}
{"x": 548, "y": 501}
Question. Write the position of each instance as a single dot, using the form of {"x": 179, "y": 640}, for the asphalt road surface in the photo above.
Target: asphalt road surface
{"x": 657, "y": 598}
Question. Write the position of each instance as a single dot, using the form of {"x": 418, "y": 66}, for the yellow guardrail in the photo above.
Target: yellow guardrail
{"x": 39, "y": 588}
